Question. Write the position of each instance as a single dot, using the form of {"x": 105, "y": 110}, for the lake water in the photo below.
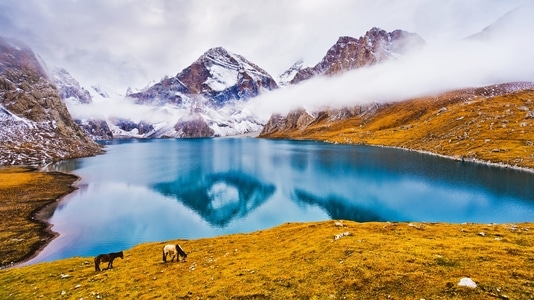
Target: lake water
{"x": 165, "y": 189}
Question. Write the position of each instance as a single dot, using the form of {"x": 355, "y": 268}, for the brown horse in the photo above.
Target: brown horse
{"x": 107, "y": 258}
{"x": 173, "y": 251}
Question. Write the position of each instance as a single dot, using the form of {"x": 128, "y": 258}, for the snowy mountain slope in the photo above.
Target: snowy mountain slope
{"x": 35, "y": 125}
{"x": 69, "y": 89}
{"x": 286, "y": 77}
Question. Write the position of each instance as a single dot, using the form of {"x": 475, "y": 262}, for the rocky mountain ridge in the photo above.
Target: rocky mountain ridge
{"x": 35, "y": 125}
{"x": 350, "y": 53}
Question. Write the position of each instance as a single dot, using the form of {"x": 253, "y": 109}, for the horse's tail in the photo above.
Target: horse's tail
{"x": 164, "y": 256}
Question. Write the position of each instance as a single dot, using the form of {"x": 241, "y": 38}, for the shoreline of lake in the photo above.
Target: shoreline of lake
{"x": 464, "y": 159}
{"x": 45, "y": 191}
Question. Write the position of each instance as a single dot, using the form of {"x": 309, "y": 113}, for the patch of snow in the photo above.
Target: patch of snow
{"x": 222, "y": 77}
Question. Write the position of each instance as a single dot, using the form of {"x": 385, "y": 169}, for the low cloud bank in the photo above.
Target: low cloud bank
{"x": 125, "y": 109}
{"x": 500, "y": 53}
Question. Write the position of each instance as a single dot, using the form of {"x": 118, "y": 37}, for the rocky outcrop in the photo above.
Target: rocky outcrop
{"x": 295, "y": 120}
{"x": 35, "y": 125}
{"x": 95, "y": 129}
{"x": 193, "y": 126}
{"x": 349, "y": 53}
{"x": 300, "y": 119}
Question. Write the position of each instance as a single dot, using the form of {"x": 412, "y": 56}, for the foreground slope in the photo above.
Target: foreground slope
{"x": 492, "y": 123}
{"x": 305, "y": 260}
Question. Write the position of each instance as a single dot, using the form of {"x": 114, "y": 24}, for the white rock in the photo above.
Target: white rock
{"x": 467, "y": 282}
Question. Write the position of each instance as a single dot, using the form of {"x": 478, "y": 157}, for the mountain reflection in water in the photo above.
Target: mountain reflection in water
{"x": 218, "y": 198}
{"x": 338, "y": 208}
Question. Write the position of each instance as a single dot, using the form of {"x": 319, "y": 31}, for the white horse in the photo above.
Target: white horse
{"x": 173, "y": 251}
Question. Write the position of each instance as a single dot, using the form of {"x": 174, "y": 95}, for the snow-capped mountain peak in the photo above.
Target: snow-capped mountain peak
{"x": 285, "y": 78}
{"x": 223, "y": 76}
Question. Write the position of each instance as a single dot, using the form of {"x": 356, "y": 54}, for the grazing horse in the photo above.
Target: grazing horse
{"x": 173, "y": 251}
{"x": 107, "y": 258}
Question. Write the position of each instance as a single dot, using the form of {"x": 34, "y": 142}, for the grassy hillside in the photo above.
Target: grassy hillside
{"x": 465, "y": 124}
{"x": 305, "y": 261}
{"x": 23, "y": 193}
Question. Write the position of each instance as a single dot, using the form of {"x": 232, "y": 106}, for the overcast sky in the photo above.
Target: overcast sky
{"x": 122, "y": 43}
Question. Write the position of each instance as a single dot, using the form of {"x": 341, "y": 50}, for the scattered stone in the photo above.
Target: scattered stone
{"x": 339, "y": 224}
{"x": 481, "y": 234}
{"x": 415, "y": 226}
{"x": 530, "y": 115}
{"x": 442, "y": 110}
{"x": 467, "y": 282}
{"x": 338, "y": 236}
{"x": 64, "y": 275}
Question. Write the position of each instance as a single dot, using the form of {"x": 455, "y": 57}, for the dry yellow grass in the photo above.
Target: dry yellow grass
{"x": 24, "y": 192}
{"x": 457, "y": 124}
{"x": 305, "y": 261}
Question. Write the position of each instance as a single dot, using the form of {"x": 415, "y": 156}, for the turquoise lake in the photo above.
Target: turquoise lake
{"x": 165, "y": 189}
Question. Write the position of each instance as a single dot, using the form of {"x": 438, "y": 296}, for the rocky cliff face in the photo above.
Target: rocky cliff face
{"x": 349, "y": 53}
{"x": 35, "y": 126}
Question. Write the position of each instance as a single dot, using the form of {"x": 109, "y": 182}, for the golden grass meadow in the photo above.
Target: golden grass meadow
{"x": 304, "y": 261}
